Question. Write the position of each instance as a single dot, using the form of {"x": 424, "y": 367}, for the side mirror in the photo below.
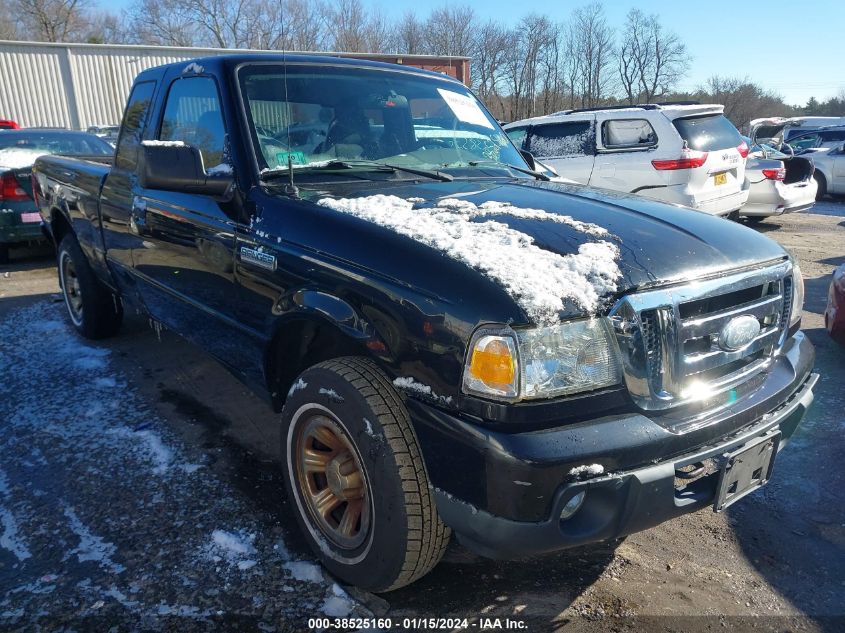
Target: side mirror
{"x": 529, "y": 158}
{"x": 172, "y": 166}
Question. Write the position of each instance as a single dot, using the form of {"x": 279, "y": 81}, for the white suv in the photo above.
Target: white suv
{"x": 686, "y": 154}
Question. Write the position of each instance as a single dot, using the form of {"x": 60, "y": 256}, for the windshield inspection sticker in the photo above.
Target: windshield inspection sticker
{"x": 465, "y": 108}
{"x": 259, "y": 258}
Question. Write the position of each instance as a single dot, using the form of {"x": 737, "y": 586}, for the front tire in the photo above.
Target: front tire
{"x": 356, "y": 476}
{"x": 93, "y": 309}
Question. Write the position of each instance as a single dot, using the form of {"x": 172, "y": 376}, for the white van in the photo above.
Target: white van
{"x": 686, "y": 154}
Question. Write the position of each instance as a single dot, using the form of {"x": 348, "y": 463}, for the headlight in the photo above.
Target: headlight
{"x": 542, "y": 362}
{"x": 797, "y": 296}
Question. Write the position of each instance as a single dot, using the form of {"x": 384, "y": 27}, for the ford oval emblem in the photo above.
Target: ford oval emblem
{"x": 739, "y": 332}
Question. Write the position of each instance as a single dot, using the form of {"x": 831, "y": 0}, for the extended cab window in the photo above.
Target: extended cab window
{"x": 132, "y": 127}
{"x": 553, "y": 140}
{"x": 708, "y": 133}
{"x": 193, "y": 115}
{"x": 628, "y": 134}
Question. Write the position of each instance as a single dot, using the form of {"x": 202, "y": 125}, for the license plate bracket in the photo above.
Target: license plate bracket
{"x": 746, "y": 469}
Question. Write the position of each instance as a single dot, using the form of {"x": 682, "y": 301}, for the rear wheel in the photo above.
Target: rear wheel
{"x": 94, "y": 311}
{"x": 821, "y": 192}
{"x": 356, "y": 476}
{"x": 4, "y": 253}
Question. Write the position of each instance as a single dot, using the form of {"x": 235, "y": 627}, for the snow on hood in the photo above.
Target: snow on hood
{"x": 538, "y": 280}
{"x": 19, "y": 157}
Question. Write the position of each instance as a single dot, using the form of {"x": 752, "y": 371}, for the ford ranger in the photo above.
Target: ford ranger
{"x": 454, "y": 344}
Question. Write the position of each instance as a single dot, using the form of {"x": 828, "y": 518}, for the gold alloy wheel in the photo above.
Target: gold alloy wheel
{"x": 332, "y": 481}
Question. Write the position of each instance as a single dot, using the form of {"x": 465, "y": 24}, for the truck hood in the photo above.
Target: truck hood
{"x": 655, "y": 243}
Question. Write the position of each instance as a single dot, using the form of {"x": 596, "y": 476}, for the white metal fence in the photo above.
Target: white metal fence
{"x": 79, "y": 85}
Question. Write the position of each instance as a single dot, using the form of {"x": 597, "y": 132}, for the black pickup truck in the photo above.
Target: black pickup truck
{"x": 454, "y": 343}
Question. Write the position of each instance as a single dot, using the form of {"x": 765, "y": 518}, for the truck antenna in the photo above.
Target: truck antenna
{"x": 291, "y": 189}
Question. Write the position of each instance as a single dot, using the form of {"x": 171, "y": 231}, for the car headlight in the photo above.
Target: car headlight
{"x": 797, "y": 296}
{"x": 544, "y": 362}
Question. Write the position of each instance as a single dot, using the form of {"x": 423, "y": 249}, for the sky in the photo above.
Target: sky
{"x": 740, "y": 38}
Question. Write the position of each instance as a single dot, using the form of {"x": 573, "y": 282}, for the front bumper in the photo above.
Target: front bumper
{"x": 502, "y": 494}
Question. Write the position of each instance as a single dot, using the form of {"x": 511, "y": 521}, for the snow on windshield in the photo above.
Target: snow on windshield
{"x": 16, "y": 158}
{"x": 538, "y": 279}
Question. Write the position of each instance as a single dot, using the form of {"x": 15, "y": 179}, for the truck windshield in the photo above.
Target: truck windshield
{"x": 313, "y": 117}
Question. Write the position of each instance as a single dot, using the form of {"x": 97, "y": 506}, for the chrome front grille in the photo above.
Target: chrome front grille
{"x": 674, "y": 343}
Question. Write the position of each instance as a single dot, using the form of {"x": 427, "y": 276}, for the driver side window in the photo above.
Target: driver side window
{"x": 192, "y": 114}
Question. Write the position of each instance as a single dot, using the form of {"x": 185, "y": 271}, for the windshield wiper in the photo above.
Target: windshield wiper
{"x": 537, "y": 174}
{"x": 352, "y": 164}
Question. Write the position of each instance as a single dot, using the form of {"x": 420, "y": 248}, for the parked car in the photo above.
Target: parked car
{"x": 454, "y": 343}
{"x": 823, "y": 138}
{"x": 834, "y": 314}
{"x": 8, "y": 124}
{"x": 685, "y": 154}
{"x": 830, "y": 170}
{"x": 777, "y": 130}
{"x": 778, "y": 183}
{"x": 19, "y": 219}
{"x": 106, "y": 132}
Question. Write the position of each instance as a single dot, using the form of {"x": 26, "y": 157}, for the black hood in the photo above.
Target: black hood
{"x": 658, "y": 243}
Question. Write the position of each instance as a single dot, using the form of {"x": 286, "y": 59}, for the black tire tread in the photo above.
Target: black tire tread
{"x": 428, "y": 536}
{"x": 105, "y": 318}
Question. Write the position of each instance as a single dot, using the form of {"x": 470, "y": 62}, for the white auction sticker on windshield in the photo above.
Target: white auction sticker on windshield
{"x": 465, "y": 108}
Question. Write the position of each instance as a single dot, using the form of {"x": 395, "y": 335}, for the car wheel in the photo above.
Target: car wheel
{"x": 93, "y": 309}
{"x": 355, "y": 473}
{"x": 754, "y": 219}
{"x": 4, "y": 253}
{"x": 822, "y": 186}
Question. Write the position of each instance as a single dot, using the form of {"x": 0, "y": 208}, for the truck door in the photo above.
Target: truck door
{"x": 117, "y": 193}
{"x": 567, "y": 146}
{"x": 184, "y": 260}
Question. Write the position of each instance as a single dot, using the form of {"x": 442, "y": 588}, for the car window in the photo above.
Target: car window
{"x": 708, "y": 133}
{"x": 65, "y": 143}
{"x": 833, "y": 136}
{"x": 805, "y": 142}
{"x": 312, "y": 116}
{"x": 192, "y": 114}
{"x": 553, "y": 140}
{"x": 134, "y": 120}
{"x": 628, "y": 133}
{"x": 517, "y": 135}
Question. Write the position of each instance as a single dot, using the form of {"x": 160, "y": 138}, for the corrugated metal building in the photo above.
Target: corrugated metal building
{"x": 79, "y": 85}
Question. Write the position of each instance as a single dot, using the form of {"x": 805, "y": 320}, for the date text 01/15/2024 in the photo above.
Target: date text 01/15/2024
{"x": 413, "y": 624}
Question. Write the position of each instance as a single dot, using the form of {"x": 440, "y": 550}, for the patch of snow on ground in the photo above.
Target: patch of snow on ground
{"x": 539, "y": 280}
{"x": 10, "y": 537}
{"x": 338, "y": 604}
{"x": 91, "y": 547}
{"x": 160, "y": 455}
{"x": 234, "y": 547}
{"x": 304, "y": 571}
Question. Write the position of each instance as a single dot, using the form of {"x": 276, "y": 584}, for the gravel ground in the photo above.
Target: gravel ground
{"x": 138, "y": 491}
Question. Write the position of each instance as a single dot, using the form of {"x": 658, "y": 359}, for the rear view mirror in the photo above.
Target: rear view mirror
{"x": 529, "y": 158}
{"x": 174, "y": 166}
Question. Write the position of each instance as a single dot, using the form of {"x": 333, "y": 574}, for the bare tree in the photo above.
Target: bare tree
{"x": 450, "y": 30}
{"x": 51, "y": 20}
{"x": 650, "y": 59}
{"x": 164, "y": 22}
{"x": 488, "y": 61}
{"x": 410, "y": 36}
{"x": 593, "y": 44}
